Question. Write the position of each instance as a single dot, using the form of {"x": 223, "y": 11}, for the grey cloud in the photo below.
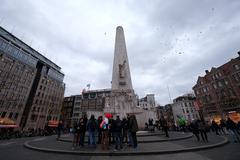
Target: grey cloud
{"x": 169, "y": 43}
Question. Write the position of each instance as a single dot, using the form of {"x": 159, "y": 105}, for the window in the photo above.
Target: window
{"x": 237, "y": 67}
{"x": 10, "y": 115}
{"x": 16, "y": 116}
{"x": 3, "y": 114}
{"x": 204, "y": 90}
{"x": 215, "y": 86}
{"x": 226, "y": 82}
{"x": 220, "y": 84}
{"x": 33, "y": 117}
{"x": 197, "y": 92}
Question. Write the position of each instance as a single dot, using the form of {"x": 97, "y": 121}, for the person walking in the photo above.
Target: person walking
{"x": 133, "y": 127}
{"x": 59, "y": 128}
{"x": 223, "y": 126}
{"x": 91, "y": 128}
{"x": 232, "y": 129}
{"x": 215, "y": 127}
{"x": 202, "y": 129}
{"x": 195, "y": 129}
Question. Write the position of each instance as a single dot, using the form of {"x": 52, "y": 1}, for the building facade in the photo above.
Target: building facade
{"x": 167, "y": 113}
{"x": 88, "y": 103}
{"x": 147, "y": 102}
{"x": 218, "y": 91}
{"x": 67, "y": 111}
{"x": 31, "y": 86}
{"x": 183, "y": 106}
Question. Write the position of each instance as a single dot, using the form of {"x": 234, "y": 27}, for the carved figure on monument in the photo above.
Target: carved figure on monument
{"x": 122, "y": 69}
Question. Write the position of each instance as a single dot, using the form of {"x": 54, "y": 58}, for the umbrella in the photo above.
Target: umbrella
{"x": 108, "y": 115}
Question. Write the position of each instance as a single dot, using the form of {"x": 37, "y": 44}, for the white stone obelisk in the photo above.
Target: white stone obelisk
{"x": 122, "y": 100}
{"x": 121, "y": 77}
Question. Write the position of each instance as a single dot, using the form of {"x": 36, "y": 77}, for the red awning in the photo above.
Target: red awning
{"x": 53, "y": 123}
{"x": 8, "y": 126}
{"x": 7, "y": 121}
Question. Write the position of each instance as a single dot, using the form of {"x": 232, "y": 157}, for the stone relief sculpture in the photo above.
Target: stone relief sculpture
{"x": 122, "y": 69}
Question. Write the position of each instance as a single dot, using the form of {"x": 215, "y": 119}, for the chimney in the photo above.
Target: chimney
{"x": 206, "y": 71}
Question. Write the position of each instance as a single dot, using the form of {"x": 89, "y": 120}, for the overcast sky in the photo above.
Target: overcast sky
{"x": 169, "y": 43}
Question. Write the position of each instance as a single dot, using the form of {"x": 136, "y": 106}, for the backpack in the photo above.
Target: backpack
{"x": 92, "y": 125}
{"x": 118, "y": 124}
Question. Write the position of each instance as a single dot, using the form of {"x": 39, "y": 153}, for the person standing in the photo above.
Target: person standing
{"x": 85, "y": 120}
{"x": 133, "y": 127}
{"x": 91, "y": 128}
{"x": 105, "y": 132}
{"x": 125, "y": 130}
{"x": 82, "y": 129}
{"x": 100, "y": 119}
{"x": 165, "y": 126}
{"x": 130, "y": 140}
{"x": 215, "y": 127}
{"x": 75, "y": 135}
{"x": 118, "y": 133}
{"x": 111, "y": 130}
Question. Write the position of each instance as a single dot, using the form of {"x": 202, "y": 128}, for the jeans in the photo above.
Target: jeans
{"x": 81, "y": 142}
{"x": 92, "y": 140}
{"x": 118, "y": 140}
{"x": 130, "y": 139}
{"x": 134, "y": 139}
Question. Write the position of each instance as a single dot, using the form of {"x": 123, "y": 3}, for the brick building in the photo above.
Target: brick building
{"x": 218, "y": 91}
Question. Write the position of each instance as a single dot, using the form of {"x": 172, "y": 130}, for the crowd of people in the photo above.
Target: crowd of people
{"x": 224, "y": 127}
{"x": 198, "y": 127}
{"x": 105, "y": 131}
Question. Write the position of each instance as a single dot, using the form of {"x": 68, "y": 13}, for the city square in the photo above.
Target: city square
{"x": 119, "y": 83}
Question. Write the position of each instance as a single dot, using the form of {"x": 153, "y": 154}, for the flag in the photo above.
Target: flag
{"x": 84, "y": 90}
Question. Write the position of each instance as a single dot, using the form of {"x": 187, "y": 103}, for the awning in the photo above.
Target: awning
{"x": 53, "y": 123}
{"x": 7, "y": 121}
{"x": 8, "y": 126}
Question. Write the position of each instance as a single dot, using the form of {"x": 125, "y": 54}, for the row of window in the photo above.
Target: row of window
{"x": 11, "y": 115}
{"x": 215, "y": 85}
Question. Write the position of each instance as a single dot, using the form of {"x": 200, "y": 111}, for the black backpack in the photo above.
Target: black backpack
{"x": 92, "y": 125}
{"x": 118, "y": 124}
